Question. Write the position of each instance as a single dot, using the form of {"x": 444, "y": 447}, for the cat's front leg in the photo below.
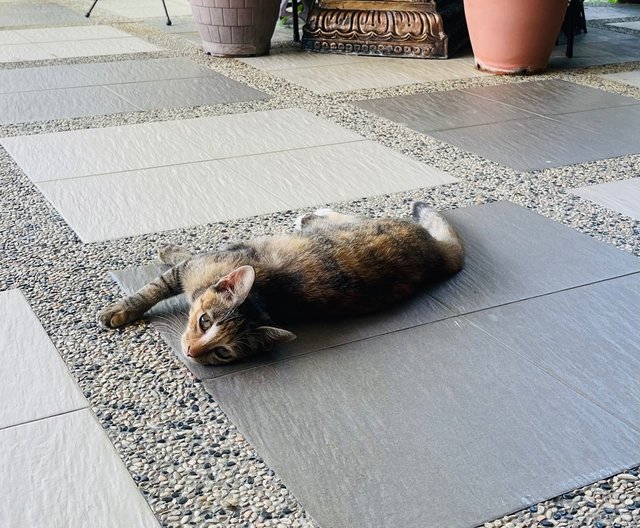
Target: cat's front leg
{"x": 133, "y": 307}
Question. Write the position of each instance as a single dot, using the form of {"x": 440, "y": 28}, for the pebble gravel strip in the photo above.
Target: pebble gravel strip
{"x": 191, "y": 464}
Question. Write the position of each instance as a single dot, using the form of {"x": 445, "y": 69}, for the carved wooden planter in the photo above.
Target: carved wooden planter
{"x": 514, "y": 36}
{"x": 397, "y": 28}
{"x": 235, "y": 28}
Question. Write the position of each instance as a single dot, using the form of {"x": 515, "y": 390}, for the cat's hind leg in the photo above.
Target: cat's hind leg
{"x": 133, "y": 307}
{"x": 173, "y": 254}
{"x": 443, "y": 233}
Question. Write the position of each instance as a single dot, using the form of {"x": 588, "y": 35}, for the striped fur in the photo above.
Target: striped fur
{"x": 335, "y": 265}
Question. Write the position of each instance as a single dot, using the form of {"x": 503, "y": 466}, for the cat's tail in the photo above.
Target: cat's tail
{"x": 447, "y": 238}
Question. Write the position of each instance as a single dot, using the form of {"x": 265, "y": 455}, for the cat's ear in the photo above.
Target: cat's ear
{"x": 270, "y": 335}
{"x": 236, "y": 285}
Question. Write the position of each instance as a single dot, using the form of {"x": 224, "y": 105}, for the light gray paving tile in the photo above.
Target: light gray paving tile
{"x": 180, "y": 25}
{"x": 90, "y": 48}
{"x": 631, "y": 77}
{"x": 141, "y": 70}
{"x": 21, "y": 107}
{"x": 34, "y": 382}
{"x": 376, "y": 72}
{"x": 621, "y": 123}
{"x": 145, "y": 8}
{"x": 213, "y": 89}
{"x": 586, "y": 337}
{"x": 72, "y": 33}
{"x": 96, "y": 151}
{"x": 628, "y": 25}
{"x": 131, "y": 203}
{"x": 42, "y": 78}
{"x": 63, "y": 471}
{"x": 11, "y": 37}
{"x": 334, "y": 173}
{"x": 292, "y": 58}
{"x": 312, "y": 336}
{"x": 25, "y": 14}
{"x": 394, "y": 430}
{"x": 23, "y": 52}
{"x": 513, "y": 254}
{"x": 551, "y": 97}
{"x": 611, "y": 11}
{"x": 441, "y": 110}
{"x": 621, "y": 196}
{"x": 536, "y": 143}
{"x": 261, "y": 132}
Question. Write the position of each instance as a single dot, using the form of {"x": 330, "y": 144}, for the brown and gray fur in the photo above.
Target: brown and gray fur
{"x": 334, "y": 265}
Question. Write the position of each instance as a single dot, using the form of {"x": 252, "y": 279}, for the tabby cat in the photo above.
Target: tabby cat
{"x": 334, "y": 265}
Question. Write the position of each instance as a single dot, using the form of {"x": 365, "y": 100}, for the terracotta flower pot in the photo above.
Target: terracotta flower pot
{"x": 235, "y": 28}
{"x": 513, "y": 36}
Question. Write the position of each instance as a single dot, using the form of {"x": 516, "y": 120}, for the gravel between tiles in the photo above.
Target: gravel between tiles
{"x": 191, "y": 464}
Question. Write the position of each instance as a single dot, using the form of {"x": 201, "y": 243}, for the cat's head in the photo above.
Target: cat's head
{"x": 220, "y": 331}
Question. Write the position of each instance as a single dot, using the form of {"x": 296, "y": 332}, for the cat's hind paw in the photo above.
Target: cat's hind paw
{"x": 114, "y": 316}
{"x": 302, "y": 221}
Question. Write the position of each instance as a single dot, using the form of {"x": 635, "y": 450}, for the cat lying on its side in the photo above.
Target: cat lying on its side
{"x": 334, "y": 265}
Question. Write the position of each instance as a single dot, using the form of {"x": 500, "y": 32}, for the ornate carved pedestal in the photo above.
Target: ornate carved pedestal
{"x": 396, "y": 28}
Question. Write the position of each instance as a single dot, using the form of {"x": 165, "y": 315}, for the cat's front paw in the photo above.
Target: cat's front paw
{"x": 114, "y": 316}
{"x": 173, "y": 254}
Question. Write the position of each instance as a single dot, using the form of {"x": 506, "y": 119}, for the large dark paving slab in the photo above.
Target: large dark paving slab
{"x": 441, "y": 110}
{"x": 433, "y": 426}
{"x": 536, "y": 143}
{"x": 515, "y": 124}
{"x": 170, "y": 317}
{"x": 551, "y": 97}
{"x": 586, "y": 337}
{"x": 621, "y": 122}
{"x": 513, "y": 254}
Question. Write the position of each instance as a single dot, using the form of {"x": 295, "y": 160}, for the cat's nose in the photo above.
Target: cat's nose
{"x": 189, "y": 351}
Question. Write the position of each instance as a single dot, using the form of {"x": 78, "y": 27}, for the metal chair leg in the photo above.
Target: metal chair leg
{"x": 296, "y": 30}
{"x": 88, "y": 14}
{"x": 166, "y": 13}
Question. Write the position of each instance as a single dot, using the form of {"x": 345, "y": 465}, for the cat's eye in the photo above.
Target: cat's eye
{"x": 222, "y": 353}
{"x": 204, "y": 322}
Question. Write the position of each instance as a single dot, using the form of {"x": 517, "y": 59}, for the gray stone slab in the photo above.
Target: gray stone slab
{"x": 631, "y": 77}
{"x": 142, "y": 70}
{"x": 551, "y": 97}
{"x": 621, "y": 196}
{"x": 63, "y": 472}
{"x": 170, "y": 316}
{"x": 622, "y": 123}
{"x": 586, "y": 337}
{"x": 25, "y": 14}
{"x": 129, "y": 203}
{"x": 433, "y": 426}
{"x": 43, "y": 78}
{"x": 214, "y": 89}
{"x": 22, "y": 107}
{"x": 34, "y": 381}
{"x": 536, "y": 143}
{"x": 513, "y": 254}
{"x": 441, "y": 110}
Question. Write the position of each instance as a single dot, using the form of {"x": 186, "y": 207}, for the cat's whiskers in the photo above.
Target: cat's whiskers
{"x": 169, "y": 324}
